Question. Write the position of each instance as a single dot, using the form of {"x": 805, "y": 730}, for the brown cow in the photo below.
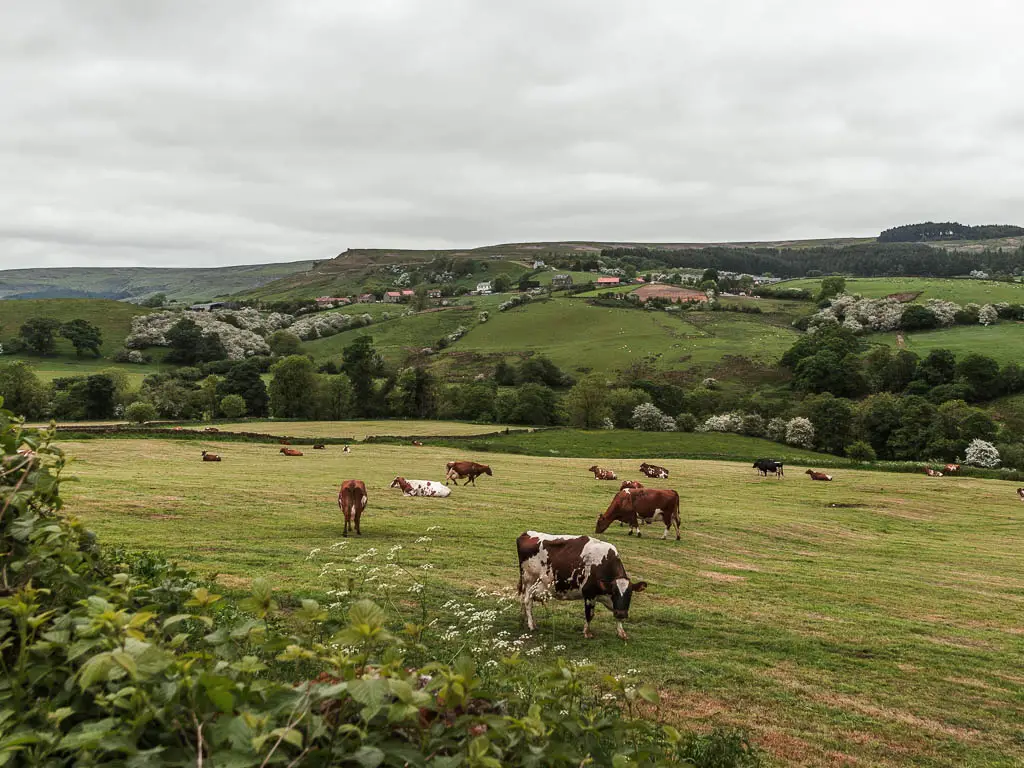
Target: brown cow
{"x": 207, "y": 456}
{"x": 291, "y": 452}
{"x": 647, "y": 504}
{"x": 417, "y": 443}
{"x": 602, "y": 474}
{"x": 574, "y": 568}
{"x": 352, "y": 501}
{"x": 211, "y": 429}
{"x": 319, "y": 447}
{"x": 632, "y": 484}
{"x": 950, "y": 469}
{"x": 468, "y": 469}
{"x": 818, "y": 475}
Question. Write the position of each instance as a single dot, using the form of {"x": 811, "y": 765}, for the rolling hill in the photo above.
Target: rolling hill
{"x": 134, "y": 283}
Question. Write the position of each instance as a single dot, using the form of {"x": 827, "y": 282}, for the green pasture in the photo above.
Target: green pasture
{"x": 49, "y": 368}
{"x": 874, "y": 620}
{"x": 1004, "y": 341}
{"x": 360, "y": 430}
{"x": 545, "y": 278}
{"x": 627, "y": 288}
{"x": 962, "y": 291}
{"x": 113, "y": 318}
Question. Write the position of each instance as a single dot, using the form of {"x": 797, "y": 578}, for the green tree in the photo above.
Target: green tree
{"x": 981, "y": 375}
{"x": 140, "y": 412}
{"x": 910, "y": 441}
{"x": 832, "y": 418}
{"x": 155, "y": 301}
{"x": 21, "y": 390}
{"x": 504, "y": 374}
{"x": 362, "y": 364}
{"x": 189, "y": 345}
{"x": 413, "y": 395}
{"x": 587, "y": 402}
{"x": 832, "y": 286}
{"x": 335, "y": 398}
{"x": 529, "y": 404}
{"x": 83, "y": 335}
{"x": 938, "y": 367}
{"x": 284, "y": 343}
{"x": 877, "y": 417}
{"x": 233, "y": 406}
{"x": 293, "y": 388}
{"x": 95, "y": 396}
{"x": 39, "y": 335}
{"x": 918, "y": 318}
{"x": 501, "y": 283}
{"x": 210, "y": 389}
{"x": 244, "y": 378}
{"x": 622, "y": 401}
{"x": 861, "y": 451}
{"x": 710, "y": 275}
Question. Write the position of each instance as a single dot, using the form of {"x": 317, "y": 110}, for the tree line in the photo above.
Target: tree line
{"x": 947, "y": 230}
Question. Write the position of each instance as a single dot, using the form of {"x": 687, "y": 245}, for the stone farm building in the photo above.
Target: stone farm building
{"x": 367, "y": 298}
{"x": 562, "y": 281}
{"x": 392, "y": 297}
{"x": 605, "y": 282}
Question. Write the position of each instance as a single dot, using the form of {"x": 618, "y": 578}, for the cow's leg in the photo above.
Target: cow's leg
{"x": 345, "y": 533}
{"x": 528, "y": 608}
{"x": 621, "y": 632}
{"x": 668, "y": 527}
{"x": 588, "y": 612}
{"x": 359, "y": 514}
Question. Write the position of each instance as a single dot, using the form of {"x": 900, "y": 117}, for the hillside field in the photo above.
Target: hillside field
{"x": 1003, "y": 341}
{"x": 113, "y": 318}
{"x": 962, "y": 291}
{"x": 872, "y": 620}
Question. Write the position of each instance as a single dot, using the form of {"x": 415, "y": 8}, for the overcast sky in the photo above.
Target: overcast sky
{"x": 153, "y": 133}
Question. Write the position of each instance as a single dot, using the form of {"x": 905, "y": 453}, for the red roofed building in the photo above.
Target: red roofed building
{"x": 604, "y": 281}
{"x": 392, "y": 297}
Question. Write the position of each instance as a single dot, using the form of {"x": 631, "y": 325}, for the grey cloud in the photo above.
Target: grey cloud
{"x": 236, "y": 132}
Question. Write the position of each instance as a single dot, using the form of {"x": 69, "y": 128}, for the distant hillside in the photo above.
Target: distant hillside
{"x": 134, "y": 283}
{"x": 113, "y": 318}
{"x": 947, "y": 230}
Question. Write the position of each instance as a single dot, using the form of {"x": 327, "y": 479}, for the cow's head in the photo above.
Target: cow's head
{"x": 593, "y": 468}
{"x": 396, "y": 483}
{"x": 619, "y": 509}
{"x": 621, "y": 593}
{"x": 487, "y": 471}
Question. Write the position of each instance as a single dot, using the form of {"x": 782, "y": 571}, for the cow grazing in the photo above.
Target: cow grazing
{"x": 647, "y": 504}
{"x": 417, "y": 442}
{"x": 421, "y": 487}
{"x": 652, "y": 470}
{"x": 574, "y": 568}
{"x": 950, "y": 469}
{"x": 291, "y": 452}
{"x": 211, "y": 429}
{"x": 602, "y": 474}
{"x": 764, "y": 466}
{"x": 631, "y": 484}
{"x": 457, "y": 470}
{"x": 1020, "y": 493}
{"x": 207, "y": 456}
{"x": 346, "y": 449}
{"x": 819, "y": 475}
{"x": 352, "y": 502}
{"x": 319, "y": 447}
{"x": 932, "y": 472}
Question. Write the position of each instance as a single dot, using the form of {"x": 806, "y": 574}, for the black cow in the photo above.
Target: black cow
{"x": 764, "y": 466}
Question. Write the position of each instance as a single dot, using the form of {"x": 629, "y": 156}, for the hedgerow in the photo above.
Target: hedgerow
{"x": 110, "y": 659}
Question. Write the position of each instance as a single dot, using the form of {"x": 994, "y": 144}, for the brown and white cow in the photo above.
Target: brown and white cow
{"x": 291, "y": 452}
{"x": 647, "y": 504}
{"x": 352, "y": 502}
{"x": 602, "y": 474}
{"x": 421, "y": 487}
{"x": 652, "y": 470}
{"x": 932, "y": 472}
{"x": 950, "y": 469}
{"x": 631, "y": 484}
{"x": 1020, "y": 493}
{"x": 319, "y": 447}
{"x": 457, "y": 470}
{"x": 818, "y": 475}
{"x": 574, "y": 568}
{"x": 207, "y": 456}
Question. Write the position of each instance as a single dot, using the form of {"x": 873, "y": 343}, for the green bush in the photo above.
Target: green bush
{"x": 140, "y": 411}
{"x": 860, "y": 451}
{"x": 111, "y": 659}
{"x": 233, "y": 406}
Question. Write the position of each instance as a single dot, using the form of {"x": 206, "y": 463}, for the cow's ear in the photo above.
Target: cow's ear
{"x": 639, "y": 586}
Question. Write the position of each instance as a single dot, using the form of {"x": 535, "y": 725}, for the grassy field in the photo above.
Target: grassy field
{"x": 873, "y": 620}
{"x": 960, "y": 291}
{"x": 577, "y": 335}
{"x": 360, "y": 430}
{"x": 49, "y": 368}
{"x": 1003, "y": 341}
{"x": 113, "y": 318}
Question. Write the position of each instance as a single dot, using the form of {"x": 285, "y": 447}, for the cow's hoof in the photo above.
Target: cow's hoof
{"x": 631, "y": 533}
{"x": 623, "y": 635}
{"x": 588, "y": 635}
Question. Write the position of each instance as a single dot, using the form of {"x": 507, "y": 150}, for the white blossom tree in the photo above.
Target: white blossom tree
{"x": 981, "y": 453}
{"x": 988, "y": 315}
{"x": 647, "y": 417}
{"x": 800, "y": 432}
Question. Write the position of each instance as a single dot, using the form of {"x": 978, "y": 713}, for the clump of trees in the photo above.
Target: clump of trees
{"x": 38, "y": 335}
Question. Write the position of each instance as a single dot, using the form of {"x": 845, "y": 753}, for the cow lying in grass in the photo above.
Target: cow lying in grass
{"x": 818, "y": 475}
{"x": 932, "y": 472}
{"x": 602, "y": 474}
{"x": 207, "y": 456}
{"x": 574, "y": 568}
{"x": 352, "y": 502}
{"x": 291, "y": 452}
{"x": 421, "y": 487}
{"x": 1020, "y": 493}
{"x": 654, "y": 471}
{"x": 631, "y": 484}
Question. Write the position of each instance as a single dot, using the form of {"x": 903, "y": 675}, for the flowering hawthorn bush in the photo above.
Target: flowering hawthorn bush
{"x": 800, "y": 432}
{"x": 649, "y": 418}
{"x": 981, "y": 453}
